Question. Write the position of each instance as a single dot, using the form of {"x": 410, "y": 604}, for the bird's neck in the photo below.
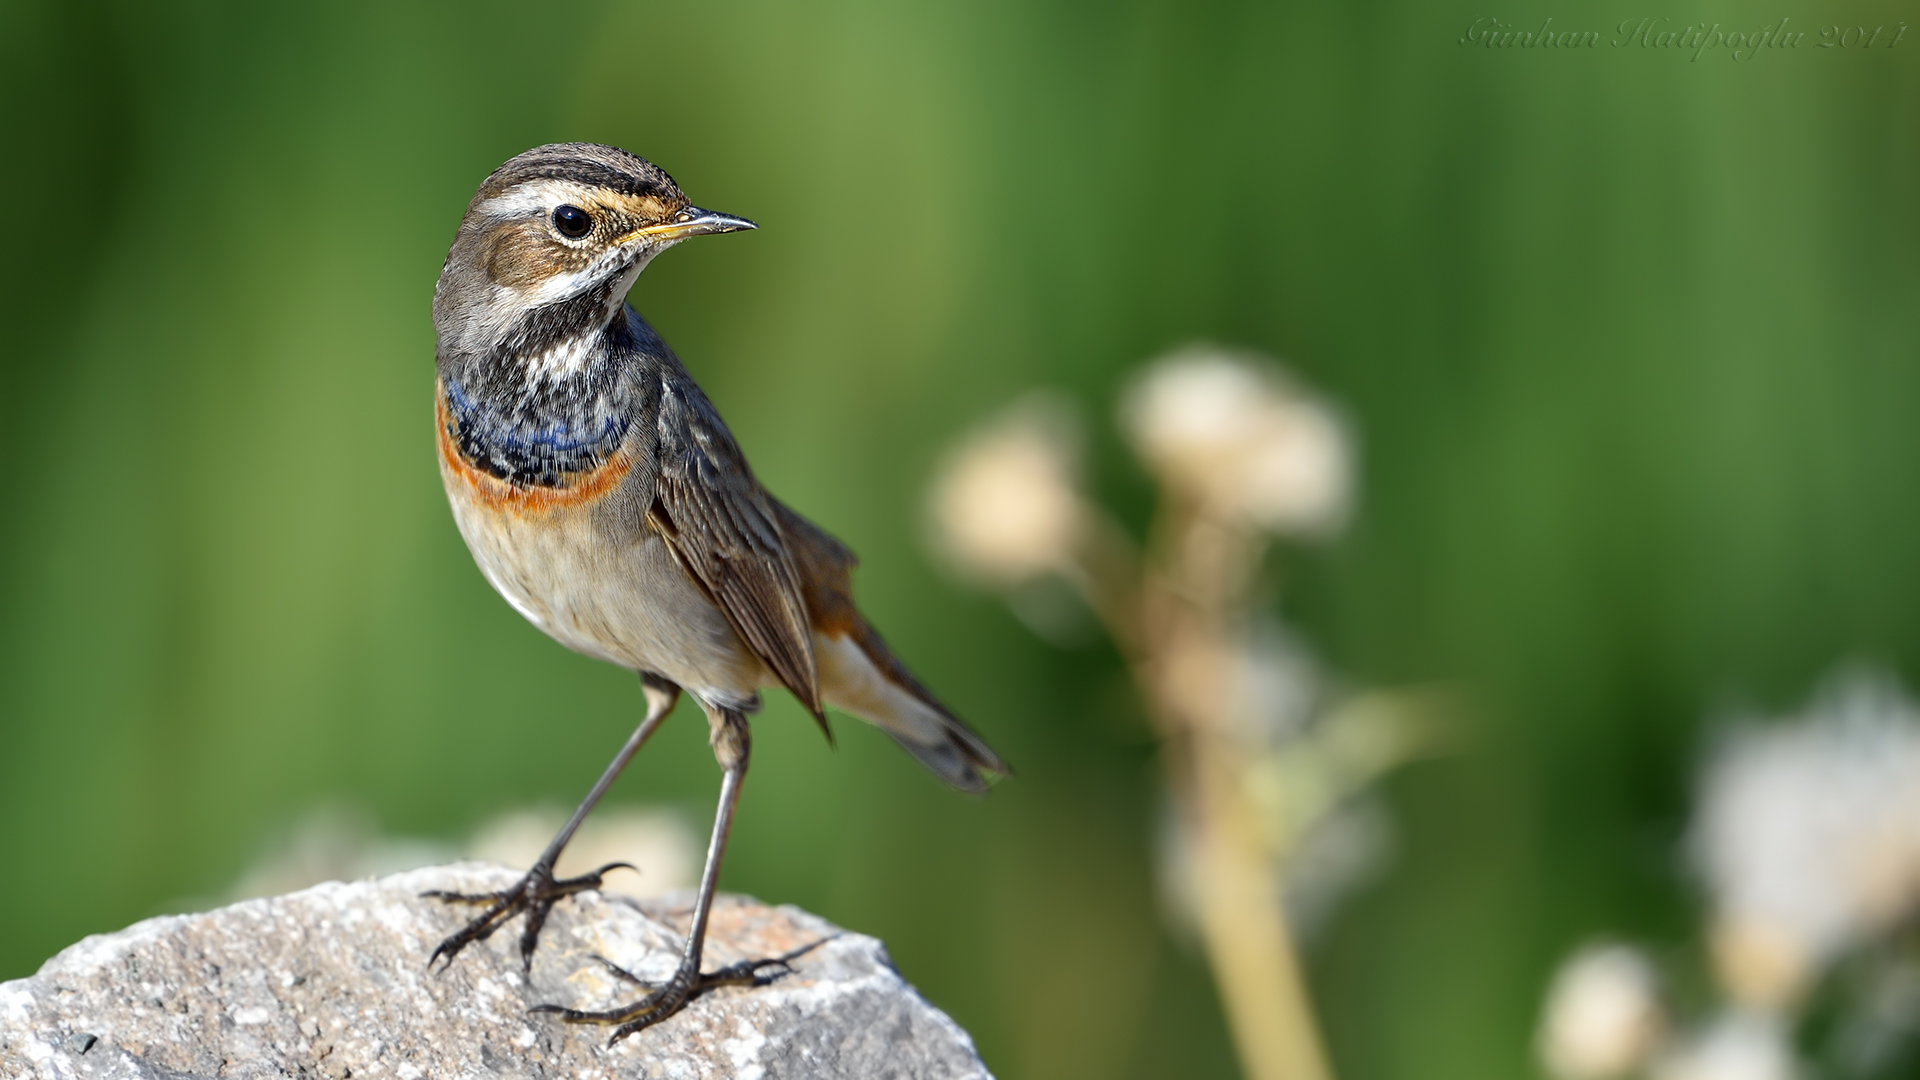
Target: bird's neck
{"x": 549, "y": 402}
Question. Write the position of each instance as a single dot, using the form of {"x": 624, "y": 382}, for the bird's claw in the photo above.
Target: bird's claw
{"x": 533, "y": 895}
{"x": 665, "y": 999}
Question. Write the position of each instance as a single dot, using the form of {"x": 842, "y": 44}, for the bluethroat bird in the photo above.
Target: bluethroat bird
{"x": 605, "y": 499}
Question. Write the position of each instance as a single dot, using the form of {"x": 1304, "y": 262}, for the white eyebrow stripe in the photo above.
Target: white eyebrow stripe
{"x": 537, "y": 196}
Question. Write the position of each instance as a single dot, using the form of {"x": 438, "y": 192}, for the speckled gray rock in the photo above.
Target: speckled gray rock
{"x": 333, "y": 982}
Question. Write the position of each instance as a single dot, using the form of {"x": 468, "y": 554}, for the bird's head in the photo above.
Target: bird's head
{"x": 562, "y": 230}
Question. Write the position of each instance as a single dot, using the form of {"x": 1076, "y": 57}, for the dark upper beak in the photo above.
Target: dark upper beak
{"x": 692, "y": 221}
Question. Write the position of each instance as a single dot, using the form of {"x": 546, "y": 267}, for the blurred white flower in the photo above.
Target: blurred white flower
{"x": 1339, "y": 853}
{"x": 1808, "y": 836}
{"x": 1233, "y": 433}
{"x": 340, "y": 841}
{"x": 1005, "y": 506}
{"x": 335, "y": 841}
{"x": 1176, "y": 873}
{"x": 1736, "y": 1046}
{"x": 1603, "y": 1016}
{"x": 1278, "y": 684}
{"x": 658, "y": 842}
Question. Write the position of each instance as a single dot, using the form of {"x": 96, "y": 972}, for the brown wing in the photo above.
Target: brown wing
{"x": 723, "y": 529}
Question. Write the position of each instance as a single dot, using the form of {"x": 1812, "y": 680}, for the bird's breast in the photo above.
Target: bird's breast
{"x": 577, "y": 560}
{"x": 572, "y": 472}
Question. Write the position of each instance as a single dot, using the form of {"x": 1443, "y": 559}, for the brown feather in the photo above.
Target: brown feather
{"x": 721, "y": 527}
{"x": 956, "y": 752}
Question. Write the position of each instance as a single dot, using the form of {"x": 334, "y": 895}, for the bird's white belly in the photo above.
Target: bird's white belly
{"x": 622, "y": 599}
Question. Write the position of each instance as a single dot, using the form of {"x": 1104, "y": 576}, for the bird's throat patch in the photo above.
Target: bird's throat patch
{"x": 508, "y": 471}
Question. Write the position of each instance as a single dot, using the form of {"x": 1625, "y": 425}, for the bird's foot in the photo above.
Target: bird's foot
{"x": 665, "y": 999}
{"x": 533, "y": 895}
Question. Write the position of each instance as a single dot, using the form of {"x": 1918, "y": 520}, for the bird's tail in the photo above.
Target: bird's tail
{"x": 860, "y": 675}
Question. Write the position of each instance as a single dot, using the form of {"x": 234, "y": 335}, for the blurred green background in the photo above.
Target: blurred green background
{"x": 1631, "y": 343}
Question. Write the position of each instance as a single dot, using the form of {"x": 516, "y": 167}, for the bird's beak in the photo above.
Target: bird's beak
{"x": 692, "y": 221}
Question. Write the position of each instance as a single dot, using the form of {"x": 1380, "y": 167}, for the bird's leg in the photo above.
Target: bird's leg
{"x": 535, "y": 894}
{"x": 731, "y": 745}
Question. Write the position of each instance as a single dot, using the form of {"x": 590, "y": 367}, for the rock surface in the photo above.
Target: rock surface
{"x": 333, "y": 982}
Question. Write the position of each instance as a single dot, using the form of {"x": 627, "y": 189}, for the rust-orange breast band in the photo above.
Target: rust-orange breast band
{"x": 495, "y": 493}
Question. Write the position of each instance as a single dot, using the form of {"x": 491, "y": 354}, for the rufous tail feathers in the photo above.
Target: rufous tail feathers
{"x": 860, "y": 675}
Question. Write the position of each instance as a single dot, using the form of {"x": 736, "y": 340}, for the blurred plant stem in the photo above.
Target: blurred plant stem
{"x": 1179, "y": 619}
{"x": 1255, "y": 762}
{"x": 1244, "y": 925}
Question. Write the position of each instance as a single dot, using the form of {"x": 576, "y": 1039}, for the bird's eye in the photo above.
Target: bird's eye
{"x": 572, "y": 222}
